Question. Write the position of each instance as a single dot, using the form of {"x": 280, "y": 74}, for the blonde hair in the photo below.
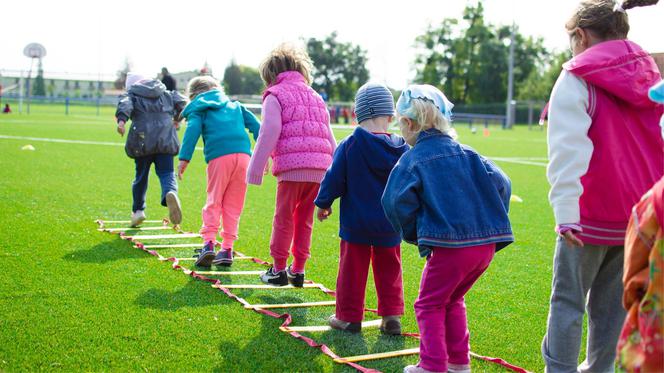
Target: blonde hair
{"x": 286, "y": 57}
{"x": 426, "y": 115}
{"x": 201, "y": 84}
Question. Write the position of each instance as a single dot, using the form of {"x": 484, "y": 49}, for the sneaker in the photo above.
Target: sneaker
{"x": 275, "y": 279}
{"x": 137, "y": 218}
{"x": 206, "y": 255}
{"x": 223, "y": 258}
{"x": 174, "y": 209}
{"x": 458, "y": 368}
{"x": 353, "y": 327}
{"x": 416, "y": 369}
{"x": 391, "y": 325}
{"x": 295, "y": 279}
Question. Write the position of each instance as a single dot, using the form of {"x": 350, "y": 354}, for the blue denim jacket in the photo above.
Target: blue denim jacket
{"x": 444, "y": 194}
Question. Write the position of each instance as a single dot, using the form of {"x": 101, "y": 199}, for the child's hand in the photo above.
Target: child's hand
{"x": 324, "y": 213}
{"x": 121, "y": 128}
{"x": 181, "y": 167}
{"x": 572, "y": 239}
{"x": 267, "y": 167}
{"x": 568, "y": 232}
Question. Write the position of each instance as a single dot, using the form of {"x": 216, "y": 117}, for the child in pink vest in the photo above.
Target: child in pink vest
{"x": 296, "y": 133}
{"x": 604, "y": 153}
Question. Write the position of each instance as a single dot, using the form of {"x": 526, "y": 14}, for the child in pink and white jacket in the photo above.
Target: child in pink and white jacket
{"x": 296, "y": 133}
{"x": 604, "y": 153}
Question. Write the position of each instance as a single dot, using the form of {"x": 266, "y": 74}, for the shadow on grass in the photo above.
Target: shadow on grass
{"x": 193, "y": 294}
{"x": 110, "y": 251}
{"x": 270, "y": 348}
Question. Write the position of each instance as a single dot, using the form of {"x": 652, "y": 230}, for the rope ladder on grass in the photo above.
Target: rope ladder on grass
{"x": 264, "y": 309}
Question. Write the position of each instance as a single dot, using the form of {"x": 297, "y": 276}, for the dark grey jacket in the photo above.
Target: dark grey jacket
{"x": 151, "y": 109}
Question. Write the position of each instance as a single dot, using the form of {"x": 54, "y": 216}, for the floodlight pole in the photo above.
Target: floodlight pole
{"x": 510, "y": 82}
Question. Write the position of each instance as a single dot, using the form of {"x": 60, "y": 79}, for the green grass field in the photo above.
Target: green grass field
{"x": 76, "y": 299}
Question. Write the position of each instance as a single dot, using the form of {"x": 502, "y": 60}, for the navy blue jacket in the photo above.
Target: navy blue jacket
{"x": 358, "y": 174}
{"x": 444, "y": 194}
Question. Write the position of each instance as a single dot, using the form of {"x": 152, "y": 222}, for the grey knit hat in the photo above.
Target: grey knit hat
{"x": 373, "y": 100}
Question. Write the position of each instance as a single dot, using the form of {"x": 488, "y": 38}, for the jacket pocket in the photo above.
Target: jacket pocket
{"x": 135, "y": 145}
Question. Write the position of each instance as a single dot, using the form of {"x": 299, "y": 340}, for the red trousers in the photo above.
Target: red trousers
{"x": 352, "y": 280}
{"x": 293, "y": 224}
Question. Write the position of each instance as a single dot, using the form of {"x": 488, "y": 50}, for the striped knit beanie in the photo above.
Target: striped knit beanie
{"x": 373, "y": 100}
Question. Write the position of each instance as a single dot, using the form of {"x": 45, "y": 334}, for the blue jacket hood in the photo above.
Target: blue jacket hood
{"x": 379, "y": 153}
{"x": 214, "y": 99}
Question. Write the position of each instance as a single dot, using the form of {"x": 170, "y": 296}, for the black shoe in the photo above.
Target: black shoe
{"x": 206, "y": 255}
{"x": 223, "y": 258}
{"x": 295, "y": 279}
{"x": 353, "y": 327}
{"x": 275, "y": 279}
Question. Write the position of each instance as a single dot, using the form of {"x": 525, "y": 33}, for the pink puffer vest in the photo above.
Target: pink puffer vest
{"x": 628, "y": 156}
{"x": 304, "y": 141}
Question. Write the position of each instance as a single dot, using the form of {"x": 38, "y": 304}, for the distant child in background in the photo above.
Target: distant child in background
{"x": 360, "y": 168}
{"x": 605, "y": 152}
{"x": 641, "y": 343}
{"x": 296, "y": 133}
{"x": 227, "y": 150}
{"x": 152, "y": 138}
{"x": 7, "y": 109}
{"x": 452, "y": 203}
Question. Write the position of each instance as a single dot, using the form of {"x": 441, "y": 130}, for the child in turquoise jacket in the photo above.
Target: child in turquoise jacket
{"x": 227, "y": 150}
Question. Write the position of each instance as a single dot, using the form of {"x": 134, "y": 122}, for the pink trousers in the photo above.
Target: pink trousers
{"x": 293, "y": 224}
{"x": 440, "y": 309}
{"x": 354, "y": 264}
{"x": 226, "y": 189}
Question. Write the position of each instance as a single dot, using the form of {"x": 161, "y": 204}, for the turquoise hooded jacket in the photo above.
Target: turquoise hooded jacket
{"x": 221, "y": 122}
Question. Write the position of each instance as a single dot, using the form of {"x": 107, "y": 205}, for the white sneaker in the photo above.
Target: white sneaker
{"x": 458, "y": 368}
{"x": 137, "y": 218}
{"x": 416, "y": 369}
{"x": 174, "y": 209}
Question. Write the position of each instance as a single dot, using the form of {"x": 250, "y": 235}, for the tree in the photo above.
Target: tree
{"x": 242, "y": 80}
{"x": 339, "y": 68}
{"x": 39, "y": 88}
{"x": 468, "y": 59}
{"x": 122, "y": 75}
{"x": 538, "y": 85}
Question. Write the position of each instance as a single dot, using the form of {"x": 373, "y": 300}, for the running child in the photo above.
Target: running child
{"x": 152, "y": 138}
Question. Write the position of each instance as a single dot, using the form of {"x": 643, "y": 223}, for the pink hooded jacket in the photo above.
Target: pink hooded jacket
{"x": 627, "y": 148}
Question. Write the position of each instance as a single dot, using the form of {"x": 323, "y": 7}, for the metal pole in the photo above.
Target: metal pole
{"x": 510, "y": 81}
{"x": 20, "y": 93}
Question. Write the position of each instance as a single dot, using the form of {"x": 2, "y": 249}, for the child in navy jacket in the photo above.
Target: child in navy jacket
{"x": 358, "y": 174}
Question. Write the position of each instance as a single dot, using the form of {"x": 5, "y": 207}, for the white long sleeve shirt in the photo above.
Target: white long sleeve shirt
{"x": 569, "y": 147}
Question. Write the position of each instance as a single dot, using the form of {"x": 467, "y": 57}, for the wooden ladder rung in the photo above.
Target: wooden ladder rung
{"x": 291, "y": 305}
{"x": 324, "y": 328}
{"x": 163, "y": 236}
{"x": 382, "y": 355}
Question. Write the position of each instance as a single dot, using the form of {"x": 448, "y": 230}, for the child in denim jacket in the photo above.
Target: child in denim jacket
{"x": 452, "y": 203}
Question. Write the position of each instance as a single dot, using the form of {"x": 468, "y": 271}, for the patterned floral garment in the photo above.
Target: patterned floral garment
{"x": 641, "y": 344}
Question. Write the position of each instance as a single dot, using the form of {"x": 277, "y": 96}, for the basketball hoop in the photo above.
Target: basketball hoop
{"x": 34, "y": 50}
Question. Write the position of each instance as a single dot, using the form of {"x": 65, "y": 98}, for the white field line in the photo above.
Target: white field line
{"x": 66, "y": 141}
{"x": 518, "y": 160}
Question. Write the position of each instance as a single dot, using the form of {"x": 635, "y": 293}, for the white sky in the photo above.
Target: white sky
{"x": 96, "y": 36}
